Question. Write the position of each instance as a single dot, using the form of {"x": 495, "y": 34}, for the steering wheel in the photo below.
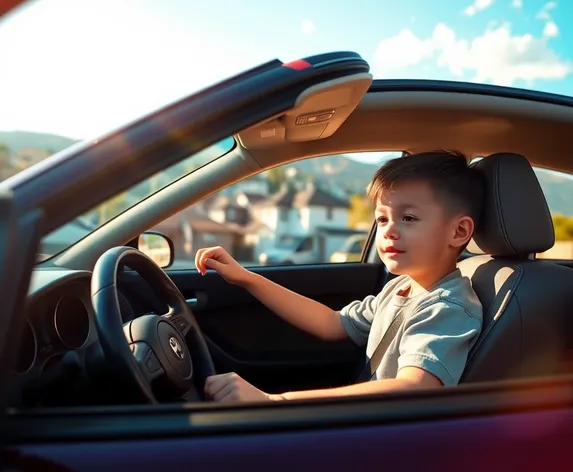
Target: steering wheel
{"x": 165, "y": 355}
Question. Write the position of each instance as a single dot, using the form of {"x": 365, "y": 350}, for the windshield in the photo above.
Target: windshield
{"x": 75, "y": 230}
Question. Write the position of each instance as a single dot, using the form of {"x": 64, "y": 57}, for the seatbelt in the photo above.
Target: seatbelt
{"x": 372, "y": 364}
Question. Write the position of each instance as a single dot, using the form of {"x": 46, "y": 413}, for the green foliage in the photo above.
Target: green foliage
{"x": 361, "y": 211}
{"x": 276, "y": 176}
{"x": 111, "y": 208}
{"x": 563, "y": 227}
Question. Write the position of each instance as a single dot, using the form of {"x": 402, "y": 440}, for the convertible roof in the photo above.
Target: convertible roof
{"x": 412, "y": 116}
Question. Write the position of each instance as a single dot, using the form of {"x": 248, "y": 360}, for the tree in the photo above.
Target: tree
{"x": 563, "y": 227}
{"x": 4, "y": 153}
{"x": 276, "y": 177}
{"x": 361, "y": 211}
{"x": 111, "y": 208}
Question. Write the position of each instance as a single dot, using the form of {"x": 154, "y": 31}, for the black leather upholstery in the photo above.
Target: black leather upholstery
{"x": 528, "y": 304}
{"x": 516, "y": 219}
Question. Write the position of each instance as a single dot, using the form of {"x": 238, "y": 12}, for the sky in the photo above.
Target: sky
{"x": 80, "y": 68}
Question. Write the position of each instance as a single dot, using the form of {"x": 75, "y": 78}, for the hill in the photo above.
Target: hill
{"x": 338, "y": 171}
{"x": 17, "y": 140}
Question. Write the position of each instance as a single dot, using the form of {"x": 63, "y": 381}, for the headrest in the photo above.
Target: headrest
{"x": 515, "y": 219}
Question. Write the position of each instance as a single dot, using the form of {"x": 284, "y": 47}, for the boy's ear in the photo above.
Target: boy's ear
{"x": 463, "y": 231}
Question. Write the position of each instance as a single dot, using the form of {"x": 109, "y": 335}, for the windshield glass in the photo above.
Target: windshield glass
{"x": 75, "y": 230}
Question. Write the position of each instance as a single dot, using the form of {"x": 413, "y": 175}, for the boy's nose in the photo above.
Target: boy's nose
{"x": 390, "y": 231}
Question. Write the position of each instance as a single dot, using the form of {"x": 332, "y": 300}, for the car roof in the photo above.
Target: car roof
{"x": 421, "y": 115}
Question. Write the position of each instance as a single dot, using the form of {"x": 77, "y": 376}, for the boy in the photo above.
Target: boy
{"x": 427, "y": 206}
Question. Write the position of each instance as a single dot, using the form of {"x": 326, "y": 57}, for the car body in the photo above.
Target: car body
{"x": 352, "y": 250}
{"x": 60, "y": 412}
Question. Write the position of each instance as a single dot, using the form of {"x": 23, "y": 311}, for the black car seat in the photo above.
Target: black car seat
{"x": 528, "y": 304}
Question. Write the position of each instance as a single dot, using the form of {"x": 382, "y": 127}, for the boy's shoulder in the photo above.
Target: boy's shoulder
{"x": 458, "y": 290}
{"x": 453, "y": 290}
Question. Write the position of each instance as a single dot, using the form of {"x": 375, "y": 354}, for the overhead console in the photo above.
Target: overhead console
{"x": 318, "y": 112}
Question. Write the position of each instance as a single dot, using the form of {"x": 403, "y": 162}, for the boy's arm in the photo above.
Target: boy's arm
{"x": 231, "y": 387}
{"x": 302, "y": 312}
{"x": 407, "y": 378}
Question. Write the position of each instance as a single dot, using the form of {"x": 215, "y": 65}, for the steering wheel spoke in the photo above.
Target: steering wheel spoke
{"x": 147, "y": 361}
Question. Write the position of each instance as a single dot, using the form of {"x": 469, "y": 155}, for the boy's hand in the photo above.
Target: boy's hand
{"x": 232, "y": 388}
{"x": 218, "y": 259}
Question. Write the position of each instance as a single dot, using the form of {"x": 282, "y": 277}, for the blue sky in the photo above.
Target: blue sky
{"x": 80, "y": 68}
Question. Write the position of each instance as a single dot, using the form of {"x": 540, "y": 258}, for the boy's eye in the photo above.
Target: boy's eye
{"x": 381, "y": 219}
{"x": 409, "y": 218}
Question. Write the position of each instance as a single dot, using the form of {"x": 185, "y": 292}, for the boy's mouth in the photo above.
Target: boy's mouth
{"x": 392, "y": 250}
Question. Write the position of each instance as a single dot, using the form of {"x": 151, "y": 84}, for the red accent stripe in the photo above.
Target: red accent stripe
{"x": 299, "y": 64}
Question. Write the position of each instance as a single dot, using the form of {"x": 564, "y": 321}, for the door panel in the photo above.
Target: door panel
{"x": 247, "y": 338}
{"x": 525, "y": 428}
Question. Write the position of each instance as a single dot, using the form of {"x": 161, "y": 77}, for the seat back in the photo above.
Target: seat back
{"x": 527, "y": 304}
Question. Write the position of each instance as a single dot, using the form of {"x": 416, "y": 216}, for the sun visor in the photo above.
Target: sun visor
{"x": 319, "y": 111}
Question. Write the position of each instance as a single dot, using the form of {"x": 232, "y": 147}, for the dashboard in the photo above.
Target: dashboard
{"x": 59, "y": 342}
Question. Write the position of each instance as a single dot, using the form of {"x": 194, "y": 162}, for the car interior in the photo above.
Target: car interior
{"x": 63, "y": 361}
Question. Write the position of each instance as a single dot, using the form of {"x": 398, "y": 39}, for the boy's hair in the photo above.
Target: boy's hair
{"x": 459, "y": 187}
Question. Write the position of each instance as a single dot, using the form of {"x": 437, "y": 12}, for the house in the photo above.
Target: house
{"x": 302, "y": 211}
{"x": 228, "y": 210}
{"x": 305, "y": 211}
{"x": 191, "y": 229}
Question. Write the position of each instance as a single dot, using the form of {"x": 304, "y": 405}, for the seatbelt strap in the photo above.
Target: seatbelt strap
{"x": 373, "y": 363}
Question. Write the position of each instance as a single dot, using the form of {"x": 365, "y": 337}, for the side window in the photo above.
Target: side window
{"x": 307, "y": 212}
{"x": 558, "y": 190}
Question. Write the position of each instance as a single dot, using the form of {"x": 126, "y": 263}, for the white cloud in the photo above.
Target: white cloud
{"x": 307, "y": 26}
{"x": 543, "y": 14}
{"x": 478, "y": 5}
{"x": 402, "y": 50}
{"x": 551, "y": 30}
{"x": 470, "y": 11}
{"x": 517, "y": 3}
{"x": 496, "y": 57}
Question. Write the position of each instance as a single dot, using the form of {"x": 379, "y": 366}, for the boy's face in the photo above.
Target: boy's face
{"x": 416, "y": 235}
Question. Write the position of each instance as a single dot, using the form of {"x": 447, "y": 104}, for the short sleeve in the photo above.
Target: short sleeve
{"x": 357, "y": 318}
{"x": 438, "y": 338}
